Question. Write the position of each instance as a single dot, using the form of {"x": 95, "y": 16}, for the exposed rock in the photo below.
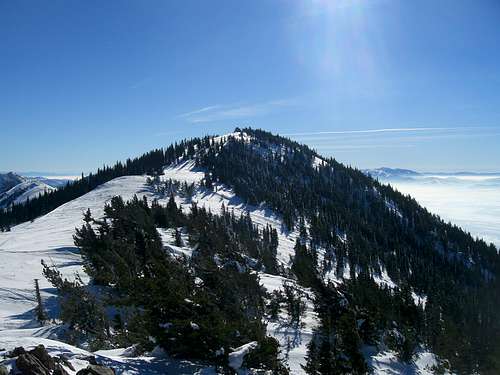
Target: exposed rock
{"x": 96, "y": 370}
{"x": 41, "y": 353}
{"x": 59, "y": 370}
{"x": 90, "y": 359}
{"x": 28, "y": 364}
{"x": 16, "y": 352}
{"x": 3, "y": 370}
{"x": 65, "y": 361}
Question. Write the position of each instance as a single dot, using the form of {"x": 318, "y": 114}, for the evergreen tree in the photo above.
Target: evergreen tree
{"x": 40, "y": 313}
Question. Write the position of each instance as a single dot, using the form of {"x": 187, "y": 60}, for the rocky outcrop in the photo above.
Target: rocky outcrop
{"x": 59, "y": 370}
{"x": 44, "y": 357}
{"x": 38, "y": 361}
{"x": 16, "y": 352}
{"x": 28, "y": 364}
{"x": 96, "y": 370}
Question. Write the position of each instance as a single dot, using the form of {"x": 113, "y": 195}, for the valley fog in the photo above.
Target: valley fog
{"x": 469, "y": 201}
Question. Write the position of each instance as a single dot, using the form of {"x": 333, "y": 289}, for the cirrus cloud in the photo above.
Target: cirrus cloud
{"x": 235, "y": 111}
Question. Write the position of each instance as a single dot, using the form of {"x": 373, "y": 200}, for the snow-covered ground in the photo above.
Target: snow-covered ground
{"x": 122, "y": 360}
{"x": 293, "y": 340}
{"x": 50, "y": 238}
{"x": 222, "y": 195}
{"x": 23, "y": 191}
{"x": 15, "y": 189}
{"x": 387, "y": 363}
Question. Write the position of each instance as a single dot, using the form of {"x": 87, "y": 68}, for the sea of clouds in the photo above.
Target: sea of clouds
{"x": 471, "y": 201}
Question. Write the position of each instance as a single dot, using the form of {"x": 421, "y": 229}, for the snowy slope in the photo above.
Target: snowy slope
{"x": 15, "y": 189}
{"x": 23, "y": 191}
{"x": 293, "y": 340}
{"x": 222, "y": 195}
{"x": 50, "y": 238}
{"x": 9, "y": 180}
{"x": 120, "y": 359}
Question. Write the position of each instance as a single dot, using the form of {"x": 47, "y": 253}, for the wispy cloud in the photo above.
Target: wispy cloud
{"x": 142, "y": 82}
{"x": 402, "y": 137}
{"x": 235, "y": 111}
{"x": 368, "y": 131}
{"x": 351, "y": 147}
{"x": 196, "y": 112}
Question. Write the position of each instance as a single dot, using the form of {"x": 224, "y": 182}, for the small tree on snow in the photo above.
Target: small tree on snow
{"x": 41, "y": 315}
{"x": 178, "y": 238}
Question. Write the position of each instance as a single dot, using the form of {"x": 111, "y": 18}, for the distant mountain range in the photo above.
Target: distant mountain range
{"x": 385, "y": 173}
{"x": 390, "y": 173}
{"x": 15, "y": 189}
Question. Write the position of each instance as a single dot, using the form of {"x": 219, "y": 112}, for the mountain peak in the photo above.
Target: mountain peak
{"x": 390, "y": 173}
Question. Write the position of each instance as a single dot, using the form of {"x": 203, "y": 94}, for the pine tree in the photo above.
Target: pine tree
{"x": 40, "y": 313}
{"x": 312, "y": 365}
{"x": 87, "y": 216}
{"x": 178, "y": 238}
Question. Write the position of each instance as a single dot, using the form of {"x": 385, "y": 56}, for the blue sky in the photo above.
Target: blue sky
{"x": 370, "y": 82}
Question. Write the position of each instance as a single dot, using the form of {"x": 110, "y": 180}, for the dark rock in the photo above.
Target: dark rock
{"x": 96, "y": 370}
{"x": 90, "y": 359}
{"x": 41, "y": 353}
{"x": 16, "y": 352}
{"x": 3, "y": 370}
{"x": 59, "y": 370}
{"x": 65, "y": 361}
{"x": 28, "y": 364}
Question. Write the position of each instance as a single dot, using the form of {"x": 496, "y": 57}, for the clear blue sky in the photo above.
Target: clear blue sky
{"x": 398, "y": 83}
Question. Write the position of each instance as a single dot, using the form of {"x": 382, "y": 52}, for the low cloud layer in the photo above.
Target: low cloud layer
{"x": 469, "y": 201}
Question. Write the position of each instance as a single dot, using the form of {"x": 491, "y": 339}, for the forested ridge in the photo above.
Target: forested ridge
{"x": 382, "y": 228}
{"x": 149, "y": 163}
{"x": 362, "y": 227}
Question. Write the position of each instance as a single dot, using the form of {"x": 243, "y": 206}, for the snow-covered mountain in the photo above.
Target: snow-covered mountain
{"x": 193, "y": 177}
{"x": 385, "y": 173}
{"x": 15, "y": 189}
{"x": 9, "y": 180}
{"x": 51, "y": 237}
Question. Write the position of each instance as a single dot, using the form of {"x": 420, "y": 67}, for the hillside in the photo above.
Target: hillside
{"x": 467, "y": 199}
{"x": 380, "y": 284}
{"x": 8, "y": 181}
{"x": 16, "y": 189}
